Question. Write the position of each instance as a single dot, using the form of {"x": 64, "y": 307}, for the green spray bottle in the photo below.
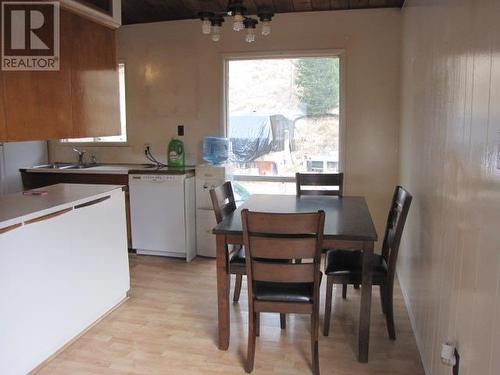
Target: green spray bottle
{"x": 176, "y": 156}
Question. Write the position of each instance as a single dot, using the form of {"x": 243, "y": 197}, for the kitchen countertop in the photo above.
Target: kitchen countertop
{"x": 17, "y": 208}
{"x": 122, "y": 169}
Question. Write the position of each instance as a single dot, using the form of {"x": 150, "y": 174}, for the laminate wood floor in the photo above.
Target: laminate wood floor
{"x": 169, "y": 326}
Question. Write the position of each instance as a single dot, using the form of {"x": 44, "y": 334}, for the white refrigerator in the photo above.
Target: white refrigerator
{"x": 207, "y": 177}
{"x": 16, "y": 155}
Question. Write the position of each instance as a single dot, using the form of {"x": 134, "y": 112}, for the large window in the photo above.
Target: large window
{"x": 283, "y": 117}
{"x": 122, "y": 138}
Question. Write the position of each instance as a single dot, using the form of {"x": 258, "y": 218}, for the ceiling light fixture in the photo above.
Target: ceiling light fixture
{"x": 212, "y": 21}
{"x": 216, "y": 23}
{"x": 206, "y": 25}
{"x": 265, "y": 19}
{"x": 250, "y": 25}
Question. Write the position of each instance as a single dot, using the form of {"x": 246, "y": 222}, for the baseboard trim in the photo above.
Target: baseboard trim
{"x": 406, "y": 298}
{"x": 72, "y": 341}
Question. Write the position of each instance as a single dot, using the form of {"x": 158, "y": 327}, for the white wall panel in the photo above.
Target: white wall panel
{"x": 450, "y": 120}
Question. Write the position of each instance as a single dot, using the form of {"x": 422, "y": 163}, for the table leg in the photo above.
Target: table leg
{"x": 366, "y": 299}
{"x": 223, "y": 288}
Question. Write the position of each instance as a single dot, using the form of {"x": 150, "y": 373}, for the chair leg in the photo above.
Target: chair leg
{"x": 344, "y": 291}
{"x": 328, "y": 306}
{"x": 257, "y": 324}
{"x": 237, "y": 288}
{"x": 283, "y": 321}
{"x": 382, "y": 298}
{"x": 389, "y": 312}
{"x": 356, "y": 286}
{"x": 251, "y": 343}
{"x": 314, "y": 342}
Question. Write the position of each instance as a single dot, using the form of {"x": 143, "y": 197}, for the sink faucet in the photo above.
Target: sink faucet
{"x": 81, "y": 154}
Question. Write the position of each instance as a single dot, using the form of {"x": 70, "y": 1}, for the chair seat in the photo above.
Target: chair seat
{"x": 350, "y": 263}
{"x": 283, "y": 292}
{"x": 237, "y": 263}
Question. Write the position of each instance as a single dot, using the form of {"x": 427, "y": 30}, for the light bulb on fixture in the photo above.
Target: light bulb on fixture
{"x": 265, "y": 18}
{"x": 206, "y": 25}
{"x": 216, "y": 23}
{"x": 216, "y": 33}
{"x": 266, "y": 28}
{"x": 237, "y": 10}
{"x": 250, "y": 25}
{"x": 238, "y": 22}
{"x": 250, "y": 36}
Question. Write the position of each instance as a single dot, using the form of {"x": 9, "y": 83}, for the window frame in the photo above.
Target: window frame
{"x": 61, "y": 142}
{"x": 338, "y": 53}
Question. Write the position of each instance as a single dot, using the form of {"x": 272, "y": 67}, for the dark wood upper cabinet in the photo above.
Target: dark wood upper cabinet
{"x": 3, "y": 128}
{"x": 79, "y": 100}
{"x": 94, "y": 80}
{"x": 38, "y": 103}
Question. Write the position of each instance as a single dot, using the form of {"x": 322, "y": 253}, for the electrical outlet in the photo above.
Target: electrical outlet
{"x": 147, "y": 147}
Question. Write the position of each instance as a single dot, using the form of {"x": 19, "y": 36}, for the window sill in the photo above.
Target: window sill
{"x": 258, "y": 178}
{"x": 93, "y": 144}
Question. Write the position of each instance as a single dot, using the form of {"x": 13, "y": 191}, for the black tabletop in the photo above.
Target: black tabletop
{"x": 346, "y": 218}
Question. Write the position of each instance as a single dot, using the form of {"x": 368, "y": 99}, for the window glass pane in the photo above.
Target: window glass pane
{"x": 283, "y": 118}
{"x": 123, "y": 117}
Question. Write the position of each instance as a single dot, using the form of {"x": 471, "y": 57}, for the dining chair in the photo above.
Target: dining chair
{"x": 345, "y": 266}
{"x": 331, "y": 180}
{"x": 224, "y": 204}
{"x": 283, "y": 287}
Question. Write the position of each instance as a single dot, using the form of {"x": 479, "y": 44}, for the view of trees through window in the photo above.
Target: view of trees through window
{"x": 282, "y": 118}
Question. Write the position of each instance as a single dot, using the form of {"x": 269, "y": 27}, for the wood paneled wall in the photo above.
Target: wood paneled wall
{"x": 450, "y": 258}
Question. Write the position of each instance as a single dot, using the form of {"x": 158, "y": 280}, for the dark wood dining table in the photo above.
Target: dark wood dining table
{"x": 348, "y": 225}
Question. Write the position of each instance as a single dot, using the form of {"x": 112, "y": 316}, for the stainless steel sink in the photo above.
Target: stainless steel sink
{"x": 82, "y": 166}
{"x": 64, "y": 166}
{"x": 55, "y": 166}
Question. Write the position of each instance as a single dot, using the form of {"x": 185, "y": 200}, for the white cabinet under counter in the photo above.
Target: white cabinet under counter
{"x": 64, "y": 264}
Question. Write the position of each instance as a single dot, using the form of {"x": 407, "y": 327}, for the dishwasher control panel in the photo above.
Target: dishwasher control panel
{"x": 154, "y": 177}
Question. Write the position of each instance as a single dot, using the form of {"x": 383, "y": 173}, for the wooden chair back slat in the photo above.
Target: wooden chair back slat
{"x": 279, "y": 248}
{"x": 333, "y": 181}
{"x": 283, "y": 224}
{"x": 396, "y": 220}
{"x": 283, "y": 272}
{"x": 223, "y": 201}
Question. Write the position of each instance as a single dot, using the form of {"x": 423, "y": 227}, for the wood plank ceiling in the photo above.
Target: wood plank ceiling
{"x": 142, "y": 11}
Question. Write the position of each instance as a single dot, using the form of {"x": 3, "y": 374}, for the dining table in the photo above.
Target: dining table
{"x": 348, "y": 225}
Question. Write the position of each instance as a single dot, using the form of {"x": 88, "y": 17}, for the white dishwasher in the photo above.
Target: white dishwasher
{"x": 162, "y": 210}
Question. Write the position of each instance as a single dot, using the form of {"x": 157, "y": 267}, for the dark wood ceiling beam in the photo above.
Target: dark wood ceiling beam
{"x": 283, "y": 6}
{"x": 320, "y": 5}
{"x": 302, "y": 5}
{"x": 359, "y": 4}
{"x": 266, "y": 5}
{"x": 251, "y": 6}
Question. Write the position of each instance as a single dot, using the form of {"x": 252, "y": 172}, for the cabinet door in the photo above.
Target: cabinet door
{"x": 3, "y": 128}
{"x": 94, "y": 79}
{"x": 38, "y": 103}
